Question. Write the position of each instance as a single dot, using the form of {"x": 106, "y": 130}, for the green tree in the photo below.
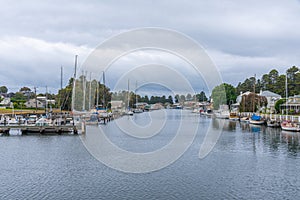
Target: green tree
{"x": 293, "y": 81}
{"x": 252, "y": 102}
{"x": 278, "y": 104}
{"x": 25, "y": 89}
{"x": 3, "y": 89}
{"x": 218, "y": 96}
{"x": 201, "y": 97}
{"x": 223, "y": 94}
{"x": 170, "y": 99}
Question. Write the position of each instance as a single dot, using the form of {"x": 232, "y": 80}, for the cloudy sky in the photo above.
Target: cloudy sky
{"x": 242, "y": 38}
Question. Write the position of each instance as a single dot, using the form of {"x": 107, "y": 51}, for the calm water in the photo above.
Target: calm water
{"x": 247, "y": 163}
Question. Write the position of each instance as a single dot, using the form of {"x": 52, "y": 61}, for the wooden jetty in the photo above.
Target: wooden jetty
{"x": 25, "y": 129}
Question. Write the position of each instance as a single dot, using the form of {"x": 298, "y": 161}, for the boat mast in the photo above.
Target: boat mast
{"x": 104, "y": 104}
{"x": 74, "y": 84}
{"x": 128, "y": 96}
{"x": 254, "y": 93}
{"x": 61, "y": 85}
{"x": 286, "y": 95}
{"x": 90, "y": 91}
{"x": 136, "y": 97}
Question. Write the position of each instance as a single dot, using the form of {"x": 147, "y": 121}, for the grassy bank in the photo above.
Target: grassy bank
{"x": 26, "y": 111}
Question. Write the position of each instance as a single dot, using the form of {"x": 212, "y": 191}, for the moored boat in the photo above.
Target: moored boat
{"x": 290, "y": 126}
{"x": 255, "y": 119}
{"x": 273, "y": 123}
{"x": 233, "y": 116}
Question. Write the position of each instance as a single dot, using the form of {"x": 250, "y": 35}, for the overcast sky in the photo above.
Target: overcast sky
{"x": 243, "y": 38}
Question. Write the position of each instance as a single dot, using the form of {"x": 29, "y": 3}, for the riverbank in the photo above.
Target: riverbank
{"x": 27, "y": 111}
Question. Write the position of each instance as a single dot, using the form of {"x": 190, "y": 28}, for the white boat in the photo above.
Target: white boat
{"x": 255, "y": 119}
{"x": 129, "y": 112}
{"x": 223, "y": 112}
{"x": 137, "y": 110}
{"x": 32, "y": 119}
{"x": 196, "y": 110}
{"x": 290, "y": 126}
{"x": 244, "y": 119}
{"x": 43, "y": 122}
{"x": 208, "y": 113}
{"x": 13, "y": 122}
{"x": 222, "y": 115}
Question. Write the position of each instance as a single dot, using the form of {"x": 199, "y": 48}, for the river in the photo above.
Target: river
{"x": 247, "y": 162}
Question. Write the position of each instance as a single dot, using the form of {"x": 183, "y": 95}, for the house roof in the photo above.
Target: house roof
{"x": 269, "y": 94}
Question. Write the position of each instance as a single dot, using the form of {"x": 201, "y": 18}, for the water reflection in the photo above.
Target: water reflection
{"x": 258, "y": 137}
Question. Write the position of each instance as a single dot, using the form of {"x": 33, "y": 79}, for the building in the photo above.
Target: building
{"x": 31, "y": 103}
{"x": 293, "y": 105}
{"x": 117, "y": 104}
{"x": 272, "y": 98}
{"x": 5, "y": 102}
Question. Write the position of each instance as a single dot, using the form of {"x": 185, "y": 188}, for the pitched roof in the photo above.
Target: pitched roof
{"x": 269, "y": 94}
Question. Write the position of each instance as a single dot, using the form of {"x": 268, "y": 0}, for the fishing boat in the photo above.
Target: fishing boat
{"x": 233, "y": 116}
{"x": 223, "y": 112}
{"x": 290, "y": 126}
{"x": 273, "y": 123}
{"x": 255, "y": 119}
{"x": 32, "y": 119}
{"x": 244, "y": 119}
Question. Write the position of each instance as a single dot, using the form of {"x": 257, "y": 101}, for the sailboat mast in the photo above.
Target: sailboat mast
{"x": 84, "y": 88}
{"x": 128, "y": 96}
{"x": 136, "y": 97}
{"x": 90, "y": 91}
{"x": 74, "y": 84}
{"x": 61, "y": 86}
{"x": 104, "y": 104}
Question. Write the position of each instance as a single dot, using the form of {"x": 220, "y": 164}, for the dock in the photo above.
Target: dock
{"x": 25, "y": 129}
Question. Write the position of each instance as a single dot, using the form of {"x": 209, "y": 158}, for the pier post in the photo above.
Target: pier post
{"x": 83, "y": 127}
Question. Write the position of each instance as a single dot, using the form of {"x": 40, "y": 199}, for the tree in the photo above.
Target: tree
{"x": 252, "y": 102}
{"x": 218, "y": 96}
{"x": 201, "y": 97}
{"x": 278, "y": 104}
{"x": 293, "y": 79}
{"x": 3, "y": 89}
{"x": 247, "y": 85}
{"x": 170, "y": 99}
{"x": 188, "y": 97}
{"x": 177, "y": 98}
{"x": 25, "y": 89}
{"x": 223, "y": 94}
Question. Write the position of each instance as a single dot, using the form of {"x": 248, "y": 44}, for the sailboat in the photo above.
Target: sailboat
{"x": 137, "y": 110}
{"x": 129, "y": 111}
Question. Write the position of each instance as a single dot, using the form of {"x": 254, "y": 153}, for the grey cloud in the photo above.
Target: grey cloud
{"x": 259, "y": 34}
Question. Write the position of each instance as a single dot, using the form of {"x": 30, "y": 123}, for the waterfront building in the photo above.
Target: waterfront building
{"x": 32, "y": 103}
{"x": 293, "y": 104}
{"x": 272, "y": 98}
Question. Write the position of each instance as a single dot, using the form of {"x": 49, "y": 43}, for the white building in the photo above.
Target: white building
{"x": 272, "y": 98}
{"x": 5, "y": 102}
{"x": 32, "y": 104}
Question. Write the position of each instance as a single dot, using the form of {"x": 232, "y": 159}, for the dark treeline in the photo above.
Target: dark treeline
{"x": 273, "y": 81}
